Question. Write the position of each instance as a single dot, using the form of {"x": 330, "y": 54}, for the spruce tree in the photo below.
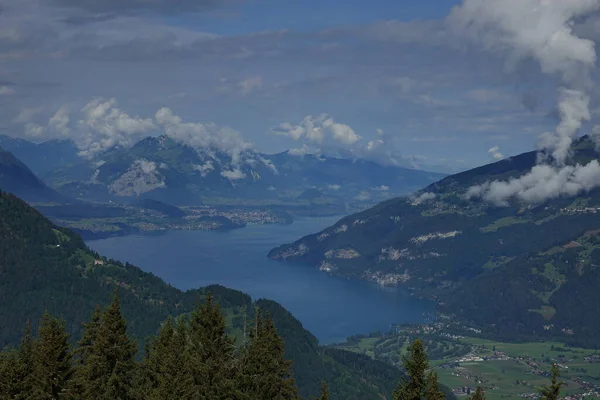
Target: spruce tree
{"x": 25, "y": 364}
{"x": 212, "y": 353}
{"x": 266, "y": 374}
{"x": 109, "y": 362}
{"x": 433, "y": 392}
{"x": 479, "y": 394}
{"x": 16, "y": 369}
{"x": 167, "y": 368}
{"x": 552, "y": 392}
{"x": 416, "y": 365}
{"x": 324, "y": 392}
{"x": 52, "y": 360}
{"x": 83, "y": 353}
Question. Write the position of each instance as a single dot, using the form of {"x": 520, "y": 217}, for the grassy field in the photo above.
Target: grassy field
{"x": 504, "y": 370}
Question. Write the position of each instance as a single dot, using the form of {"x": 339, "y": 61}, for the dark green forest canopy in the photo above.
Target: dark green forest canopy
{"x": 190, "y": 357}
{"x": 47, "y": 268}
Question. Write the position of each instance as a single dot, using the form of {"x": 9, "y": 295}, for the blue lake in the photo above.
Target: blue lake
{"x": 331, "y": 308}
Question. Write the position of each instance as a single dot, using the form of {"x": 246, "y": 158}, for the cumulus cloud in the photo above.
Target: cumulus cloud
{"x": 145, "y": 166}
{"x": 542, "y": 183}
{"x": 6, "y": 91}
{"x": 315, "y": 129}
{"x": 363, "y": 196}
{"x": 250, "y": 85}
{"x": 334, "y": 187}
{"x": 324, "y": 136}
{"x": 423, "y": 197}
{"x": 202, "y": 136}
{"x": 104, "y": 126}
{"x": 382, "y": 188}
{"x": 205, "y": 168}
{"x": 59, "y": 122}
{"x": 495, "y": 153}
{"x": 541, "y": 30}
{"x": 34, "y": 131}
{"x": 299, "y": 151}
{"x": 234, "y": 174}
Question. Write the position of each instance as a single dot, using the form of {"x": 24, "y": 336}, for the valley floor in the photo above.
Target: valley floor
{"x": 504, "y": 370}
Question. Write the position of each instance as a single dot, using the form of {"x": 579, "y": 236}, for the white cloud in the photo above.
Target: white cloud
{"x": 202, "y": 136}
{"x": 6, "y": 91}
{"x": 315, "y": 129}
{"x": 541, "y": 30}
{"x": 34, "y": 131}
{"x": 382, "y": 188}
{"x": 299, "y": 151}
{"x": 250, "y": 85}
{"x": 363, "y": 196}
{"x": 59, "y": 122}
{"x": 423, "y": 197}
{"x": 495, "y": 152}
{"x": 543, "y": 183}
{"x": 145, "y": 166}
{"x": 104, "y": 126}
{"x": 334, "y": 187}
{"x": 233, "y": 175}
{"x": 205, "y": 168}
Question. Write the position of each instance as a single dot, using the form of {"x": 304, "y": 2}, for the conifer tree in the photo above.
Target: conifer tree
{"x": 16, "y": 370}
{"x": 109, "y": 362}
{"x": 416, "y": 365}
{"x": 212, "y": 353}
{"x": 167, "y": 365}
{"x": 266, "y": 374}
{"x": 324, "y": 392}
{"x": 10, "y": 384}
{"x": 479, "y": 394}
{"x": 52, "y": 360}
{"x": 433, "y": 392}
{"x": 25, "y": 364}
{"x": 552, "y": 392}
{"x": 83, "y": 352}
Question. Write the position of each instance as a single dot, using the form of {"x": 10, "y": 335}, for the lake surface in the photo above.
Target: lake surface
{"x": 331, "y": 308}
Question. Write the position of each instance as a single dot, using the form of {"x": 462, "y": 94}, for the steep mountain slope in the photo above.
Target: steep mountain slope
{"x": 514, "y": 271}
{"x": 44, "y": 267}
{"x": 42, "y": 157}
{"x": 178, "y": 174}
{"x": 17, "y": 178}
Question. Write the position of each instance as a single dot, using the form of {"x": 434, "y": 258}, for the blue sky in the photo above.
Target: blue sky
{"x": 395, "y": 82}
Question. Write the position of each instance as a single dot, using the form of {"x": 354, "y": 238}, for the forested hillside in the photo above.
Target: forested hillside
{"x": 189, "y": 358}
{"x": 47, "y": 268}
{"x": 515, "y": 270}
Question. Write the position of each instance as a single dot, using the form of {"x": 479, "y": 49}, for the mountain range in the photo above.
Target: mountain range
{"x": 166, "y": 170}
{"x": 513, "y": 271}
{"x": 17, "y": 178}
